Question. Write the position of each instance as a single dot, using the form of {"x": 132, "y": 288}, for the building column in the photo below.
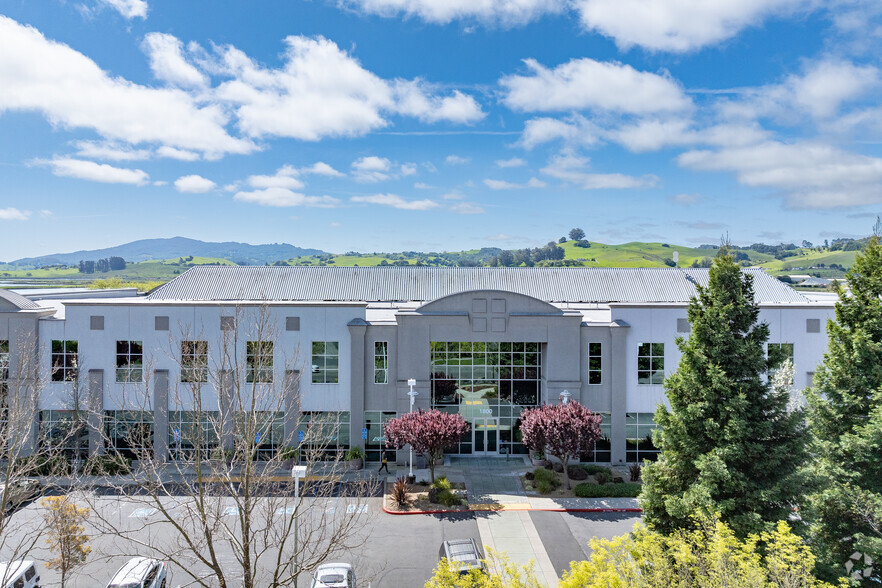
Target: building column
{"x": 618, "y": 391}
{"x": 292, "y": 407}
{"x": 160, "y": 415}
{"x": 96, "y": 412}
{"x": 358, "y": 377}
{"x": 227, "y": 410}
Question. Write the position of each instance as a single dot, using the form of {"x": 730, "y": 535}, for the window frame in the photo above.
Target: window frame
{"x": 650, "y": 364}
{"x": 259, "y": 361}
{"x": 595, "y": 363}
{"x": 129, "y": 363}
{"x": 321, "y": 372}
{"x": 194, "y": 362}
{"x": 59, "y": 360}
{"x": 381, "y": 362}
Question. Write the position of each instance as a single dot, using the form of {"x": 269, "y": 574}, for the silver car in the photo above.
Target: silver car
{"x": 141, "y": 572}
{"x": 334, "y": 575}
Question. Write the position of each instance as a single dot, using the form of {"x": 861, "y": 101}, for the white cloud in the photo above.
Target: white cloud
{"x": 588, "y": 84}
{"x": 95, "y": 172}
{"x": 285, "y": 177}
{"x": 45, "y": 213}
{"x": 408, "y": 169}
{"x": 110, "y": 151}
{"x": 653, "y": 134}
{"x": 503, "y": 185}
{"x": 456, "y": 160}
{"x": 322, "y": 169}
{"x": 493, "y": 12}
{"x": 452, "y": 196}
{"x": 194, "y": 184}
{"x": 71, "y": 91}
{"x": 686, "y": 199}
{"x": 807, "y": 175}
{"x": 179, "y": 154}
{"x": 573, "y": 169}
{"x": 14, "y": 214}
{"x": 282, "y": 197}
{"x": 128, "y": 8}
{"x": 396, "y": 201}
{"x": 167, "y": 61}
{"x": 678, "y": 25}
{"x": 371, "y": 169}
{"x": 513, "y": 162}
{"x": 467, "y": 208}
{"x": 576, "y": 130}
{"x": 414, "y": 99}
{"x": 160, "y": 183}
{"x": 423, "y": 186}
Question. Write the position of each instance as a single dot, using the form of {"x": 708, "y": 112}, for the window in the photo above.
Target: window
{"x": 292, "y": 323}
{"x": 602, "y": 452}
{"x": 810, "y": 379}
{"x": 325, "y": 362}
{"x": 812, "y": 325}
{"x": 639, "y": 444}
{"x": 381, "y": 362}
{"x": 259, "y": 361}
{"x": 129, "y": 432}
{"x": 194, "y": 361}
{"x": 650, "y": 363}
{"x": 129, "y": 361}
{"x": 683, "y": 325}
{"x": 375, "y": 444}
{"x": 594, "y": 363}
{"x": 325, "y": 435}
{"x": 4, "y": 360}
{"x": 227, "y": 323}
{"x": 64, "y": 361}
{"x": 193, "y": 435}
{"x": 265, "y": 428}
{"x": 778, "y": 354}
{"x": 96, "y": 323}
{"x": 160, "y": 323}
{"x": 64, "y": 432}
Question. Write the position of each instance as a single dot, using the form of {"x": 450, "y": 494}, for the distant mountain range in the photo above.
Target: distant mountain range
{"x": 150, "y": 249}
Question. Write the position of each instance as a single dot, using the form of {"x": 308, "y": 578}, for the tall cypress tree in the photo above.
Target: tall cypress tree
{"x": 728, "y": 443}
{"x": 845, "y": 422}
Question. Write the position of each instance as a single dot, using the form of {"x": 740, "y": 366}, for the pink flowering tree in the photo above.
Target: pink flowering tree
{"x": 429, "y": 432}
{"x": 561, "y": 430}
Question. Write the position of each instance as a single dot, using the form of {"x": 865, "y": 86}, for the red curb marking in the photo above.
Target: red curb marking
{"x": 418, "y": 512}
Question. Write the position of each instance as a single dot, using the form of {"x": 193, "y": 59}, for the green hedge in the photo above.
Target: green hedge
{"x": 626, "y": 490}
{"x": 593, "y": 470}
{"x": 107, "y": 465}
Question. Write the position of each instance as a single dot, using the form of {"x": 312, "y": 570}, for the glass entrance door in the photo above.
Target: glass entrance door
{"x": 485, "y": 436}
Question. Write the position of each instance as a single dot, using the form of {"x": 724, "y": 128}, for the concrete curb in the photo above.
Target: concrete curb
{"x": 431, "y": 512}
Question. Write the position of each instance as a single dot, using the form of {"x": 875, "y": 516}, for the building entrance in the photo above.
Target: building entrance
{"x": 485, "y": 436}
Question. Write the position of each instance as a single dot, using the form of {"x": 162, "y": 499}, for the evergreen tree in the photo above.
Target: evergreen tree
{"x": 845, "y": 422}
{"x": 728, "y": 443}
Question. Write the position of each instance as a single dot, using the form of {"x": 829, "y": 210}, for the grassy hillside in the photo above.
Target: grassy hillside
{"x": 163, "y": 270}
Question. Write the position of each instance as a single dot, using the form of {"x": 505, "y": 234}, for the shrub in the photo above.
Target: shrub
{"x": 577, "y": 473}
{"x": 594, "y": 469}
{"x": 107, "y": 465}
{"x": 399, "y": 491}
{"x": 546, "y": 480}
{"x": 448, "y": 498}
{"x": 625, "y": 490}
{"x": 602, "y": 478}
{"x": 544, "y": 486}
{"x": 558, "y": 467}
{"x": 435, "y": 494}
{"x": 354, "y": 453}
{"x": 635, "y": 469}
{"x": 529, "y": 475}
{"x": 286, "y": 453}
{"x": 42, "y": 465}
{"x": 442, "y": 483}
{"x": 423, "y": 482}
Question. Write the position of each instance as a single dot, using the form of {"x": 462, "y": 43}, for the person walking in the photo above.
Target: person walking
{"x": 384, "y": 464}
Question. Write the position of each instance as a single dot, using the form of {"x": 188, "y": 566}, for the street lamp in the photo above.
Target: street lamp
{"x": 413, "y": 394}
{"x": 565, "y": 396}
{"x": 297, "y": 472}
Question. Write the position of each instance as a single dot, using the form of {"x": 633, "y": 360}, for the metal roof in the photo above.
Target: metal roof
{"x": 393, "y": 283}
{"x": 18, "y": 301}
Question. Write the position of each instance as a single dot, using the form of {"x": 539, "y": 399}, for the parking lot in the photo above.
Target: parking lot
{"x": 391, "y": 551}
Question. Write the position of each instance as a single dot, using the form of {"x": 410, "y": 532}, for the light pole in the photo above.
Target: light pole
{"x": 413, "y": 394}
{"x": 297, "y": 472}
{"x": 565, "y": 396}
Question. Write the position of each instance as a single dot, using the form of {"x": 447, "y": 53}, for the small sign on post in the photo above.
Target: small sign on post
{"x": 364, "y": 434}
{"x": 300, "y": 436}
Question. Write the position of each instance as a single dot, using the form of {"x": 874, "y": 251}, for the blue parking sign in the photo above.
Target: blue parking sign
{"x": 300, "y": 436}
{"x": 177, "y": 434}
{"x": 364, "y": 433}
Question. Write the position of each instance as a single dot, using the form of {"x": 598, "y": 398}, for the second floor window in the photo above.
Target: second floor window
{"x": 259, "y": 361}
{"x": 129, "y": 361}
{"x": 4, "y": 360}
{"x": 325, "y": 362}
{"x": 64, "y": 361}
{"x": 381, "y": 362}
{"x": 650, "y": 363}
{"x": 595, "y": 363}
{"x": 194, "y": 361}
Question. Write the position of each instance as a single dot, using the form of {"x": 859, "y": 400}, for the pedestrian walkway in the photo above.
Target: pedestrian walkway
{"x": 491, "y": 481}
{"x": 515, "y": 535}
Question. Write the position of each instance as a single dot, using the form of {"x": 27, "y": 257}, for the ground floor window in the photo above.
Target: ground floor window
{"x": 64, "y": 432}
{"x": 603, "y": 447}
{"x": 129, "y": 432}
{"x": 266, "y": 429}
{"x": 375, "y": 444}
{"x": 639, "y": 428}
{"x": 193, "y": 435}
{"x": 489, "y": 385}
{"x": 323, "y": 435}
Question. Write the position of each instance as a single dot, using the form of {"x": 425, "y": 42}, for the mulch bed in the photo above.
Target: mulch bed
{"x": 418, "y": 499}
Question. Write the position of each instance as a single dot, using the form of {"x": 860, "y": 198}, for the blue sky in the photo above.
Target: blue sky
{"x": 385, "y": 125}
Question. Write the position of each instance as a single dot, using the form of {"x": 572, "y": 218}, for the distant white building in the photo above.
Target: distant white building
{"x": 484, "y": 342}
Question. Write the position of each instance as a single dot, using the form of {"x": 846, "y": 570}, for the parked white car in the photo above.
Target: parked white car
{"x": 19, "y": 574}
{"x": 20, "y": 491}
{"x": 141, "y": 572}
{"x": 334, "y": 575}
